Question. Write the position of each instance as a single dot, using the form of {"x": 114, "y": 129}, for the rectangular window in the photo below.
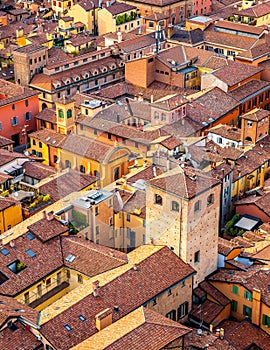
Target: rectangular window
{"x": 48, "y": 282}
{"x": 247, "y": 295}
{"x": 182, "y": 310}
{"x": 27, "y": 116}
{"x": 97, "y": 230}
{"x": 0, "y": 125}
{"x": 26, "y": 298}
{"x": 128, "y": 217}
{"x": 197, "y": 257}
{"x": 58, "y": 278}
{"x": 39, "y": 290}
{"x": 210, "y": 199}
{"x": 197, "y": 206}
{"x": 235, "y": 290}
{"x": 14, "y": 121}
{"x": 234, "y": 305}
{"x": 80, "y": 279}
{"x": 247, "y": 311}
{"x": 266, "y": 320}
{"x": 171, "y": 315}
{"x": 96, "y": 210}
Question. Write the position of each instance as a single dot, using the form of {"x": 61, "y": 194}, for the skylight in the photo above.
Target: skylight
{"x": 82, "y": 318}
{"x": 68, "y": 328}
{"x": 30, "y": 236}
{"x": 30, "y": 253}
{"x": 4, "y": 251}
{"x": 70, "y": 258}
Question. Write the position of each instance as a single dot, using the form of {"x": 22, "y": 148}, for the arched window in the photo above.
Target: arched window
{"x": 175, "y": 206}
{"x": 61, "y": 113}
{"x": 248, "y": 138}
{"x": 158, "y": 199}
{"x": 69, "y": 113}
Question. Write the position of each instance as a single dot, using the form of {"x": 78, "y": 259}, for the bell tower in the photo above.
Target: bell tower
{"x": 65, "y": 115}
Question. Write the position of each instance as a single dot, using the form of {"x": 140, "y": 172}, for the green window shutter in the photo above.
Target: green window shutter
{"x": 245, "y": 294}
{"x": 264, "y": 319}
{"x": 235, "y": 290}
{"x": 234, "y": 305}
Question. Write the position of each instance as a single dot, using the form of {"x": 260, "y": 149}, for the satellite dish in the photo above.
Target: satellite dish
{"x": 199, "y": 331}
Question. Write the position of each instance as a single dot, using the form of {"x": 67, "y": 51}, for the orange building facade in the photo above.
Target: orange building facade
{"x": 17, "y": 115}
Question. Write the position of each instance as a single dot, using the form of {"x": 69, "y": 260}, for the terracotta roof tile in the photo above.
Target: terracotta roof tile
{"x": 255, "y": 277}
{"x": 7, "y": 156}
{"x": 46, "y": 230}
{"x": 49, "y": 137}
{"x": 37, "y": 170}
{"x": 227, "y": 131}
{"x": 225, "y": 247}
{"x": 11, "y": 308}
{"x": 137, "y": 283}
{"x": 234, "y": 73}
{"x": 247, "y": 334}
{"x": 214, "y": 293}
{"x": 207, "y": 312}
{"x": 155, "y": 333}
{"x": 67, "y": 183}
{"x": 21, "y": 338}
{"x": 145, "y": 174}
{"x": 6, "y": 202}
{"x": 119, "y": 7}
{"x": 263, "y": 254}
{"x": 91, "y": 259}
{"x": 48, "y": 115}
{"x": 5, "y": 141}
{"x": 191, "y": 182}
{"x": 246, "y": 90}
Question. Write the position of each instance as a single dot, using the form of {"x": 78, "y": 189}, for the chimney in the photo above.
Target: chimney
{"x": 256, "y": 305}
{"x": 262, "y": 177}
{"x": 50, "y": 216}
{"x": 221, "y": 334}
{"x": 170, "y": 30}
{"x": 140, "y": 97}
{"x": 95, "y": 286}
{"x": 104, "y": 319}
{"x": 154, "y": 171}
{"x": 119, "y": 37}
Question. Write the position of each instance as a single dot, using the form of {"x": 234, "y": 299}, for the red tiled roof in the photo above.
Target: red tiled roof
{"x": 246, "y": 334}
{"x": 38, "y": 170}
{"x": 129, "y": 291}
{"x": 20, "y": 339}
{"x": 255, "y": 277}
{"x": 207, "y": 312}
{"x": 91, "y": 259}
{"x": 67, "y": 183}
{"x": 190, "y": 182}
{"x": 46, "y": 230}
{"x": 11, "y": 308}
{"x": 119, "y": 7}
{"x": 5, "y": 141}
{"x": 234, "y": 72}
{"x": 155, "y": 333}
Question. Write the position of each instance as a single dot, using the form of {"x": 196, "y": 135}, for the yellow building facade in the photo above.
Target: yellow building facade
{"x": 10, "y": 214}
